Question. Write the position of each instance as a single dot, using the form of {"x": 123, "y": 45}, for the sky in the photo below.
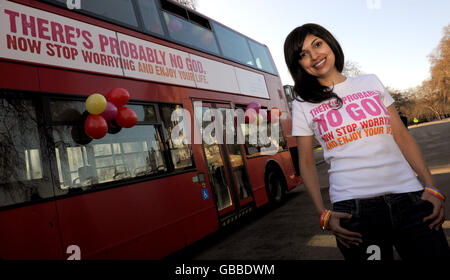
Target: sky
{"x": 389, "y": 38}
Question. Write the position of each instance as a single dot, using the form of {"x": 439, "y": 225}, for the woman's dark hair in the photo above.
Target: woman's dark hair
{"x": 307, "y": 86}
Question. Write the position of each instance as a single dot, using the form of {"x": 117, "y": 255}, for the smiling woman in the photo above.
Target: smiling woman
{"x": 378, "y": 202}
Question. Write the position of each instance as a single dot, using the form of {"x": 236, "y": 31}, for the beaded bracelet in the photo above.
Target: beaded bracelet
{"x": 324, "y": 219}
{"x": 435, "y": 192}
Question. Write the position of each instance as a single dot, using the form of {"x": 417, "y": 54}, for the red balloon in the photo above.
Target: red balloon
{"x": 95, "y": 126}
{"x": 250, "y": 116}
{"x": 279, "y": 111}
{"x": 276, "y": 114}
{"x": 118, "y": 96}
{"x": 126, "y": 117}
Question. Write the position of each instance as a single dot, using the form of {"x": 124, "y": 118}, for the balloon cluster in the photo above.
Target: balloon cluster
{"x": 253, "y": 112}
{"x": 108, "y": 114}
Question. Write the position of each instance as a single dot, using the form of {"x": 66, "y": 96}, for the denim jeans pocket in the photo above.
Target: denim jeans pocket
{"x": 350, "y": 207}
{"x": 347, "y": 206}
{"x": 352, "y": 224}
{"x": 419, "y": 209}
{"x": 421, "y": 201}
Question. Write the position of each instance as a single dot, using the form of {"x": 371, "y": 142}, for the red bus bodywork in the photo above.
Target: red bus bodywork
{"x": 144, "y": 219}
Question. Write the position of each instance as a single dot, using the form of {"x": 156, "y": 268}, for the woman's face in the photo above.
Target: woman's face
{"x": 316, "y": 57}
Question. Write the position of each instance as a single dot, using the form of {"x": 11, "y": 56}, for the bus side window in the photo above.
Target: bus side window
{"x": 180, "y": 152}
{"x": 83, "y": 163}
{"x": 262, "y": 57}
{"x": 150, "y": 16}
{"x": 253, "y": 145}
{"x": 189, "y": 33}
{"x": 118, "y": 10}
{"x": 21, "y": 163}
{"x": 233, "y": 45}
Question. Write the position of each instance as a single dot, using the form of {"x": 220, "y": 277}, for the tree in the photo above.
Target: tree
{"x": 192, "y": 4}
{"x": 438, "y": 86}
{"x": 351, "y": 69}
{"x": 430, "y": 100}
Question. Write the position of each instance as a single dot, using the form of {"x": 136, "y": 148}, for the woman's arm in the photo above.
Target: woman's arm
{"x": 308, "y": 172}
{"x": 409, "y": 148}
{"x": 413, "y": 155}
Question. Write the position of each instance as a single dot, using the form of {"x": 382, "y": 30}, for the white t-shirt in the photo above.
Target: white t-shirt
{"x": 357, "y": 140}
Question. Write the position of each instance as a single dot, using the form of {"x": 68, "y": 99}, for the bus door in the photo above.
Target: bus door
{"x": 225, "y": 158}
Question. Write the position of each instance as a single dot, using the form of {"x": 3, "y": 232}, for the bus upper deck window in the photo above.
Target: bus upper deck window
{"x": 233, "y": 45}
{"x": 150, "y": 16}
{"x": 118, "y": 10}
{"x": 262, "y": 57}
{"x": 189, "y": 33}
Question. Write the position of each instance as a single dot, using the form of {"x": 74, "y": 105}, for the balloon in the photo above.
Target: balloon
{"x": 263, "y": 114}
{"x": 95, "y": 104}
{"x": 272, "y": 118}
{"x": 113, "y": 127}
{"x": 274, "y": 115}
{"x": 78, "y": 134}
{"x": 253, "y": 105}
{"x": 118, "y": 96}
{"x": 110, "y": 112}
{"x": 277, "y": 109}
{"x": 95, "y": 126}
{"x": 259, "y": 118}
{"x": 126, "y": 117}
{"x": 250, "y": 116}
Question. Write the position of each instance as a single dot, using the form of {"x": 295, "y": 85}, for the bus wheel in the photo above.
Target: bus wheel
{"x": 275, "y": 187}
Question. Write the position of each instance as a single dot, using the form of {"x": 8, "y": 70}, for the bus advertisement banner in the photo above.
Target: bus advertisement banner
{"x": 36, "y": 36}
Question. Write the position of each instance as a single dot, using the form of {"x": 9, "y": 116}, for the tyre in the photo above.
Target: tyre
{"x": 275, "y": 187}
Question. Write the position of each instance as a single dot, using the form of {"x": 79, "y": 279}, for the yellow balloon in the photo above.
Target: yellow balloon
{"x": 96, "y": 104}
{"x": 259, "y": 119}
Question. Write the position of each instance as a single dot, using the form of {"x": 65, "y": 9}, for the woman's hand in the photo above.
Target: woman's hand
{"x": 438, "y": 215}
{"x": 344, "y": 236}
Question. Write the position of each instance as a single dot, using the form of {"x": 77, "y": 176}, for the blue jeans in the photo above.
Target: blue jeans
{"x": 392, "y": 220}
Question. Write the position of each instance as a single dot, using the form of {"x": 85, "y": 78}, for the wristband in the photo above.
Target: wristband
{"x": 435, "y": 192}
{"x": 324, "y": 219}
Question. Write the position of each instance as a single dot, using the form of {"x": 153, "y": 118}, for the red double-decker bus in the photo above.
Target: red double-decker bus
{"x": 135, "y": 193}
